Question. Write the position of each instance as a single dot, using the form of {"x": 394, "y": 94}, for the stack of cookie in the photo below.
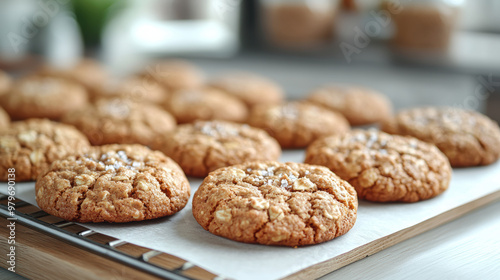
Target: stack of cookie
{"x": 150, "y": 130}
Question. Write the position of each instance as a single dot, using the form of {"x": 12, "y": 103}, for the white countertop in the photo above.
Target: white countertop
{"x": 466, "y": 248}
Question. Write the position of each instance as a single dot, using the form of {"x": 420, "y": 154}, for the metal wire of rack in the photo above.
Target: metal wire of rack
{"x": 165, "y": 266}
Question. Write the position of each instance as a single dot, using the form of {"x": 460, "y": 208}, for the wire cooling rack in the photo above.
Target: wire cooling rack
{"x": 150, "y": 261}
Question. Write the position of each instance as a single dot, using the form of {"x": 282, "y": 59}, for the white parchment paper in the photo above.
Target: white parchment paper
{"x": 180, "y": 234}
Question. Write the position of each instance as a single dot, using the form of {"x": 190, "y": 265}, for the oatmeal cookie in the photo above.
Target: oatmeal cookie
{"x": 31, "y": 146}
{"x": 250, "y": 88}
{"x": 361, "y": 106}
{"x": 384, "y": 167}
{"x": 297, "y": 124}
{"x": 5, "y": 82}
{"x": 43, "y": 97}
{"x": 467, "y": 138}
{"x": 4, "y": 119}
{"x": 119, "y": 121}
{"x": 87, "y": 72}
{"x": 135, "y": 89}
{"x": 205, "y": 104}
{"x": 289, "y": 204}
{"x": 113, "y": 183}
{"x": 204, "y": 146}
{"x": 174, "y": 74}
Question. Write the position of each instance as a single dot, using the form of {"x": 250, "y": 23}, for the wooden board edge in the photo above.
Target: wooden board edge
{"x": 328, "y": 266}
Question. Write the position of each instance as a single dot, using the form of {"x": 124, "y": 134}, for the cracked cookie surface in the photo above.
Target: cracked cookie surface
{"x": 43, "y": 97}
{"x": 113, "y": 183}
{"x": 384, "y": 167}
{"x": 296, "y": 124}
{"x": 360, "y": 106}
{"x": 272, "y": 203}
{"x": 31, "y": 146}
{"x": 467, "y": 138}
{"x": 204, "y": 146}
{"x": 120, "y": 121}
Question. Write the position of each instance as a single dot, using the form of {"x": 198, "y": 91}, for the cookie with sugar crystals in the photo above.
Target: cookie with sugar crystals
{"x": 204, "y": 146}
{"x": 467, "y": 138}
{"x": 113, "y": 183}
{"x": 43, "y": 97}
{"x": 297, "y": 124}
{"x": 384, "y": 167}
{"x": 361, "y": 106}
{"x": 31, "y": 146}
{"x": 250, "y": 88}
{"x": 272, "y": 203}
{"x": 120, "y": 121}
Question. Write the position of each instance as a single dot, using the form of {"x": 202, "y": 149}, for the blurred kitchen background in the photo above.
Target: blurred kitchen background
{"x": 440, "y": 52}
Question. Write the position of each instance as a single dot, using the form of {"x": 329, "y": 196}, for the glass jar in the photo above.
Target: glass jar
{"x": 298, "y": 23}
{"x": 425, "y": 24}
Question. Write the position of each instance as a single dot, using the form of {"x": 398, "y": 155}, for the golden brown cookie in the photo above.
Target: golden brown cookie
{"x": 289, "y": 204}
{"x": 43, "y": 97}
{"x": 297, "y": 124}
{"x": 205, "y": 104}
{"x": 31, "y": 146}
{"x": 4, "y": 119}
{"x": 384, "y": 167}
{"x": 174, "y": 74}
{"x": 5, "y": 83}
{"x": 359, "y": 105}
{"x": 135, "y": 89}
{"x": 87, "y": 72}
{"x": 112, "y": 121}
{"x": 204, "y": 146}
{"x": 467, "y": 138}
{"x": 113, "y": 183}
{"x": 250, "y": 88}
